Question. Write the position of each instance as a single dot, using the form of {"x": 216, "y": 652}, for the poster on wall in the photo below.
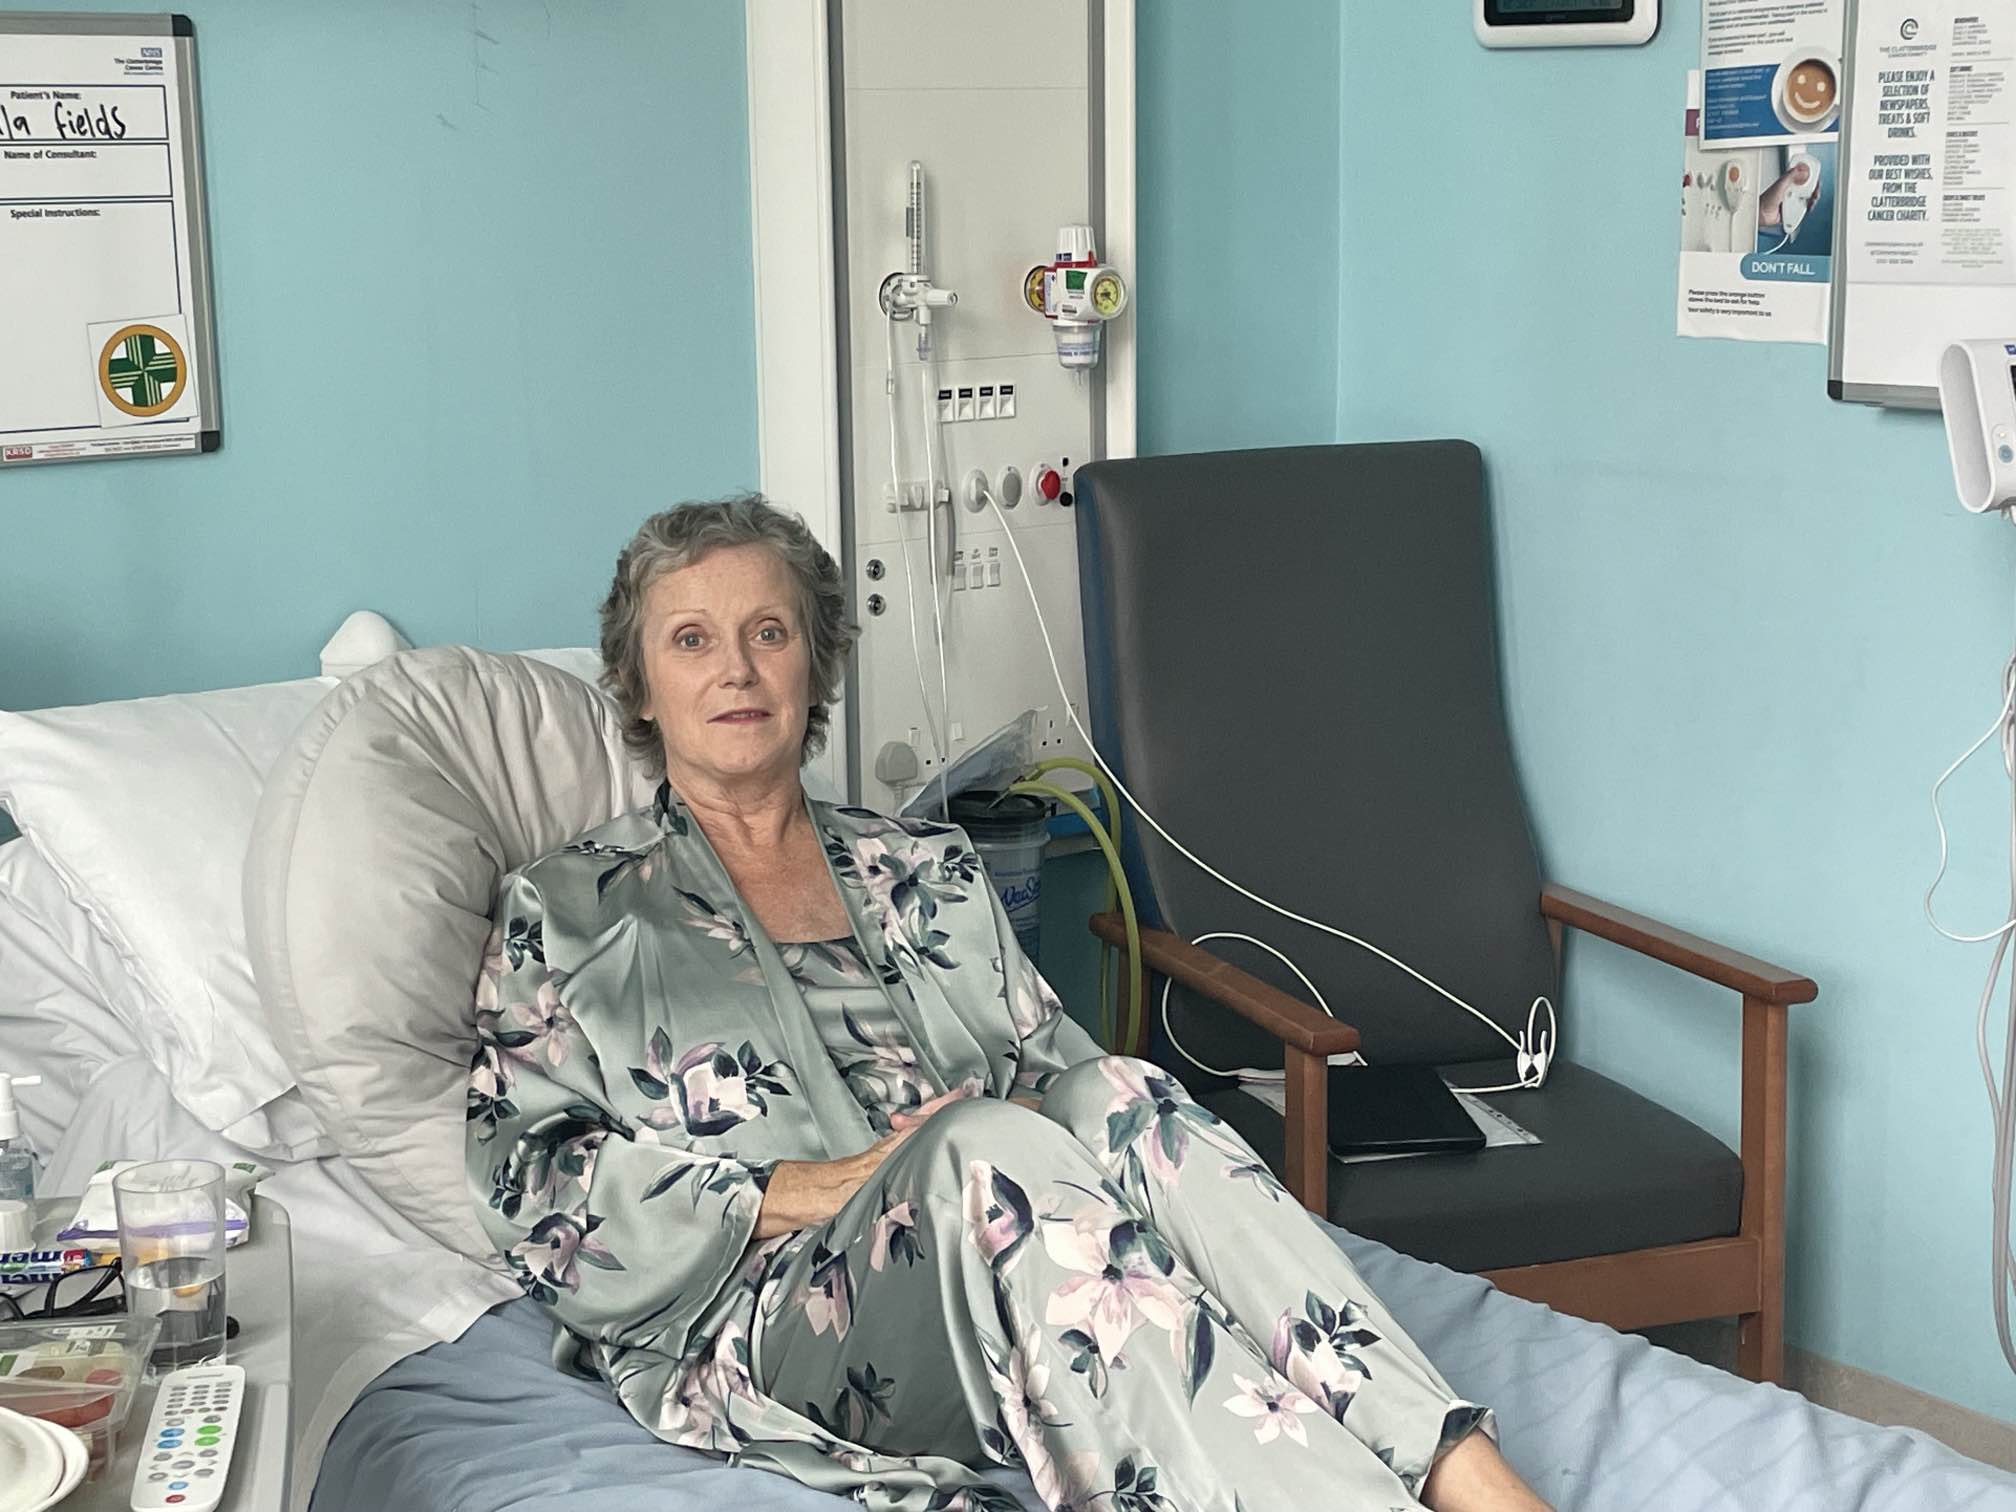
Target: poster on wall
{"x": 1932, "y": 198}
{"x": 1756, "y": 237}
{"x": 1928, "y": 210}
{"x": 106, "y": 347}
{"x": 1771, "y": 72}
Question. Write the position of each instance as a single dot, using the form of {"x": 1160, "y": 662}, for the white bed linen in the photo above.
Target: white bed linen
{"x": 369, "y": 1288}
{"x": 119, "y": 796}
{"x": 54, "y": 1022}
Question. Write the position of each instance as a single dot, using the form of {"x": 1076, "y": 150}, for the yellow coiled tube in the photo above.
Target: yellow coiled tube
{"x": 1125, "y": 1037}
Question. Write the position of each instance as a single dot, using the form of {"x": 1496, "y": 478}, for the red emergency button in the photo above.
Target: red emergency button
{"x": 1049, "y": 484}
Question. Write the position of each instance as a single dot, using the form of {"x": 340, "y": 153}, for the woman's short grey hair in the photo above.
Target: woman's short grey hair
{"x": 680, "y": 536}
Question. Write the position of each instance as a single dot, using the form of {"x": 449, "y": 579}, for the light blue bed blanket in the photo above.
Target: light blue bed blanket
{"x": 1597, "y": 1421}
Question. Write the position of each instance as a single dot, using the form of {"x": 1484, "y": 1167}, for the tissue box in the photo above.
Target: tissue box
{"x": 80, "y": 1375}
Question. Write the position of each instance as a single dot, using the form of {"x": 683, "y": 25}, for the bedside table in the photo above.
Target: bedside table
{"x": 259, "y": 1293}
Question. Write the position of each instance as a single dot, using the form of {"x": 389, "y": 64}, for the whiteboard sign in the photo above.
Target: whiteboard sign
{"x": 106, "y": 343}
{"x": 1925, "y": 237}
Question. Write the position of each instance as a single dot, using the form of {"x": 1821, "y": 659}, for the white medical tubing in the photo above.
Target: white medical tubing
{"x": 1541, "y": 1052}
{"x": 903, "y": 545}
{"x": 938, "y": 598}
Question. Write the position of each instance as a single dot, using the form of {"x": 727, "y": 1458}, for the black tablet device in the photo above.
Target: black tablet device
{"x": 1397, "y": 1110}
{"x": 1565, "y": 23}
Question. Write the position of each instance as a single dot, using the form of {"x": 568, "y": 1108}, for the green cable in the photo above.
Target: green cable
{"x": 1107, "y": 796}
{"x": 1132, "y": 1028}
{"x": 1111, "y": 801}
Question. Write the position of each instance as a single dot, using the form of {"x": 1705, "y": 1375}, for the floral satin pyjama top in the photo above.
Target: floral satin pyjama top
{"x": 1111, "y": 1293}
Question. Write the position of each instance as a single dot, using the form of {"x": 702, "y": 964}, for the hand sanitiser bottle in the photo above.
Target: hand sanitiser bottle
{"x": 17, "y": 1159}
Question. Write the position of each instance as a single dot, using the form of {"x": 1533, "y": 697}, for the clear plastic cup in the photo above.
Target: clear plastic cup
{"x": 171, "y": 1248}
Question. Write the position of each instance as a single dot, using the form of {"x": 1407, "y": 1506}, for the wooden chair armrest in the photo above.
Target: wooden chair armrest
{"x": 1766, "y": 990}
{"x": 1662, "y": 942}
{"x": 1308, "y": 1035}
{"x": 1297, "y": 1024}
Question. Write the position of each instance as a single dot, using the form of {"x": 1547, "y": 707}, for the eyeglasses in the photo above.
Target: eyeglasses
{"x": 78, "y": 1294}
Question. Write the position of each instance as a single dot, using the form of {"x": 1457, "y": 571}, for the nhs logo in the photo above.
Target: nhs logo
{"x": 150, "y": 52}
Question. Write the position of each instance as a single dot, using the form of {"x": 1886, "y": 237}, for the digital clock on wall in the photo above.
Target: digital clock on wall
{"x": 1566, "y": 23}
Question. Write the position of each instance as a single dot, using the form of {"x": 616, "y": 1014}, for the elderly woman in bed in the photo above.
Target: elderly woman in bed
{"x": 773, "y": 1115}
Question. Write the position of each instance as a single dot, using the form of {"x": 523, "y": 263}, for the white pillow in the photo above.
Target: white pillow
{"x": 381, "y": 839}
{"x": 584, "y": 662}
{"x": 54, "y": 1021}
{"x": 143, "y": 810}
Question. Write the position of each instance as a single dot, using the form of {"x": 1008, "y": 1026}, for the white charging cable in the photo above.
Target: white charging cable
{"x": 1248, "y": 1073}
{"x": 2001, "y": 1104}
{"x": 1532, "y": 1056}
{"x": 2000, "y": 727}
{"x": 2002, "y": 1111}
{"x": 1528, "y": 1064}
{"x": 931, "y": 726}
{"x": 1351, "y": 1058}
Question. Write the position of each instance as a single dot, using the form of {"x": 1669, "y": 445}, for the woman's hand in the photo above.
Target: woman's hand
{"x": 804, "y": 1192}
{"x": 907, "y": 1119}
{"x": 911, "y": 1118}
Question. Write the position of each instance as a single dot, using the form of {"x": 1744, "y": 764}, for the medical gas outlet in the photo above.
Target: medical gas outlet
{"x": 1077, "y": 294}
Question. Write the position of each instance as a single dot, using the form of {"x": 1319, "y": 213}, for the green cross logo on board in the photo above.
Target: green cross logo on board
{"x": 142, "y": 370}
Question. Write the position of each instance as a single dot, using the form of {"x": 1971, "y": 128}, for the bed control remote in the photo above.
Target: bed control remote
{"x": 187, "y": 1451}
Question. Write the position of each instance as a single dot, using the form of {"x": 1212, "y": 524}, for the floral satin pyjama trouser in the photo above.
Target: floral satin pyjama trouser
{"x": 1115, "y": 1294}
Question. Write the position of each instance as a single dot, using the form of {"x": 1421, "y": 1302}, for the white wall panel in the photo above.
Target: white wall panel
{"x": 995, "y": 102}
{"x": 965, "y": 44}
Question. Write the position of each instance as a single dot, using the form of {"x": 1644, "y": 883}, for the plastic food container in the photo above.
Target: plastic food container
{"x": 81, "y": 1375}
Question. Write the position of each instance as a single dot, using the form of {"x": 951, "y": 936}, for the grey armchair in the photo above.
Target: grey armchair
{"x": 1293, "y": 661}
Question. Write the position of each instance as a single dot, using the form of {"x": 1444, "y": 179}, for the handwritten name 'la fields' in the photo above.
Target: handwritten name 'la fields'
{"x": 62, "y": 113}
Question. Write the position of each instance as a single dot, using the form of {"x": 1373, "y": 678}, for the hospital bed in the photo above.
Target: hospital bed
{"x": 127, "y": 976}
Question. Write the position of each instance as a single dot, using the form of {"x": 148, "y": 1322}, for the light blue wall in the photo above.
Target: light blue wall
{"x": 483, "y": 282}
{"x": 1744, "y": 630}
{"x": 1236, "y": 293}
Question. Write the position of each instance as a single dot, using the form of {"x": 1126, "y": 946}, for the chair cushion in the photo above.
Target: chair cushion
{"x": 1613, "y": 1172}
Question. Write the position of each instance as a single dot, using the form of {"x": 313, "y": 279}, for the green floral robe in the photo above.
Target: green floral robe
{"x": 1079, "y": 1292}
{"x": 644, "y": 1059}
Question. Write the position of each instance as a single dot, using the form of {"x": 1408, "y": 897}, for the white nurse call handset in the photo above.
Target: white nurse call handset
{"x": 1731, "y": 187}
{"x": 1797, "y": 201}
{"x": 1977, "y": 390}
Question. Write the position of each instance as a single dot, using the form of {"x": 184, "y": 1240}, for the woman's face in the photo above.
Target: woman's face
{"x": 727, "y": 667}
